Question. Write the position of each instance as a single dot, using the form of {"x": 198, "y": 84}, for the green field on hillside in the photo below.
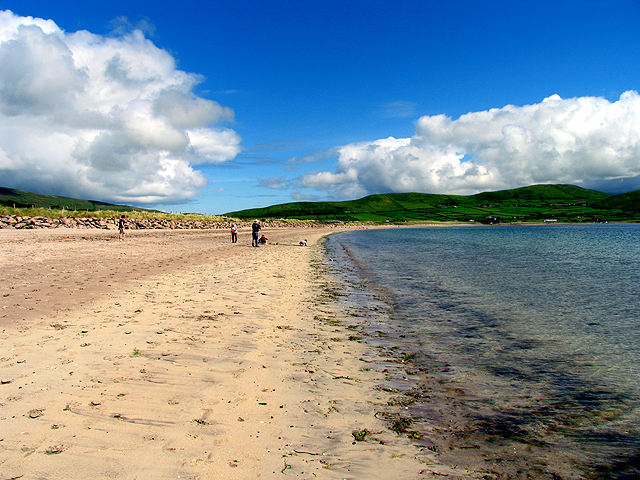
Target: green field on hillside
{"x": 538, "y": 203}
{"x": 13, "y": 198}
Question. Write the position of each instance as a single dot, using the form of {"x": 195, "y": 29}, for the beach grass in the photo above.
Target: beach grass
{"x": 139, "y": 214}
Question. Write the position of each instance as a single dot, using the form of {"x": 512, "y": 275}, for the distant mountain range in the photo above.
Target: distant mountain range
{"x": 537, "y": 203}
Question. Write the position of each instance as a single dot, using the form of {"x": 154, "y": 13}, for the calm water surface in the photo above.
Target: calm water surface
{"x": 527, "y": 340}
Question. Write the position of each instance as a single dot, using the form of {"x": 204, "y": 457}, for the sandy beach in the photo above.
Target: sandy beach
{"x": 176, "y": 354}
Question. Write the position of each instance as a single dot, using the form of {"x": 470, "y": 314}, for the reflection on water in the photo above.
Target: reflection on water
{"x": 526, "y": 341}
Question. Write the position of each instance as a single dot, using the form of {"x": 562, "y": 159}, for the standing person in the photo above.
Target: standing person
{"x": 121, "y": 224}
{"x": 234, "y": 233}
{"x": 255, "y": 228}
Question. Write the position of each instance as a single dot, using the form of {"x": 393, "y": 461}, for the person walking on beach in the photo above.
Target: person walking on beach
{"x": 255, "y": 228}
{"x": 234, "y": 233}
{"x": 121, "y": 224}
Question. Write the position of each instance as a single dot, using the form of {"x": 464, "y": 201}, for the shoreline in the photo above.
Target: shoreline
{"x": 488, "y": 417}
{"x": 175, "y": 354}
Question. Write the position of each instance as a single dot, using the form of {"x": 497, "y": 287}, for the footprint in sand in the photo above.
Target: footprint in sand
{"x": 35, "y": 413}
{"x": 55, "y": 449}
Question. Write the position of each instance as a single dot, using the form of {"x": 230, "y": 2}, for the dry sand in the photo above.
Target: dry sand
{"x": 175, "y": 354}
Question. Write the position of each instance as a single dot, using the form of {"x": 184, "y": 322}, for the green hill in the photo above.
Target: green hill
{"x": 566, "y": 203}
{"x": 537, "y": 203}
{"x": 10, "y": 197}
{"x": 629, "y": 202}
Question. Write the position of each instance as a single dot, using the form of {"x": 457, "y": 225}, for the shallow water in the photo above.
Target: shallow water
{"x": 526, "y": 340}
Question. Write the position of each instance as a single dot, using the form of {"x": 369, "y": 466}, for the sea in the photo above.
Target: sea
{"x": 521, "y": 342}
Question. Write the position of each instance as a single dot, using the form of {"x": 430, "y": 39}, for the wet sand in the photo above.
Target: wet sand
{"x": 175, "y": 354}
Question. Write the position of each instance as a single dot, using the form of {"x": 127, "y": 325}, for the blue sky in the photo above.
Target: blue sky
{"x": 223, "y": 105}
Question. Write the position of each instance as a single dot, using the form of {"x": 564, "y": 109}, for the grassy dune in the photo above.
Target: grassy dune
{"x": 142, "y": 214}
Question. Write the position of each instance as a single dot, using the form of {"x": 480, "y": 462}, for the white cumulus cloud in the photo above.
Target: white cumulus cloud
{"x": 583, "y": 141}
{"x": 105, "y": 118}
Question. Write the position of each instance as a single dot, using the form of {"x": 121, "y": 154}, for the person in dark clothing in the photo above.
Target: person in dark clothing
{"x": 255, "y": 228}
{"x": 121, "y": 225}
